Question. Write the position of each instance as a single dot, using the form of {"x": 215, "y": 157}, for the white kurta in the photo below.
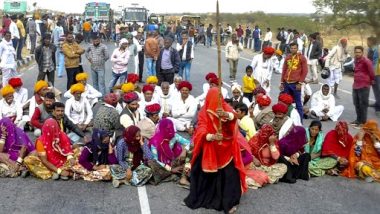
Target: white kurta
{"x": 166, "y": 103}
{"x": 143, "y": 104}
{"x": 262, "y": 71}
{"x": 12, "y": 110}
{"x": 201, "y": 98}
{"x": 320, "y": 102}
{"x": 285, "y": 128}
{"x": 295, "y": 116}
{"x": 21, "y": 96}
{"x": 174, "y": 91}
{"x": 90, "y": 93}
{"x": 183, "y": 112}
{"x": 79, "y": 112}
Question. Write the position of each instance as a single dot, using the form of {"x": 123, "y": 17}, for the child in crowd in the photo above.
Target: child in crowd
{"x": 249, "y": 83}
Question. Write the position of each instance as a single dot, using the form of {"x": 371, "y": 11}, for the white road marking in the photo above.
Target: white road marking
{"x": 144, "y": 202}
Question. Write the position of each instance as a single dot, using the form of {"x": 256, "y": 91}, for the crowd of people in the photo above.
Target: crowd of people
{"x": 135, "y": 132}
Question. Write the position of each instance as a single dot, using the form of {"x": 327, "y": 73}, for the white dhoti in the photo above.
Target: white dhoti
{"x": 333, "y": 114}
{"x": 181, "y": 124}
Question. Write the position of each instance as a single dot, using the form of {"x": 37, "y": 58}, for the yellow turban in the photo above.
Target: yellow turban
{"x": 79, "y": 87}
{"x": 7, "y": 90}
{"x": 278, "y": 52}
{"x": 81, "y": 76}
{"x": 127, "y": 87}
{"x": 151, "y": 80}
{"x": 40, "y": 85}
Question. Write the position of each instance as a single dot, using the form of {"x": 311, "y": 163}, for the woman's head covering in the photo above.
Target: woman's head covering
{"x": 147, "y": 88}
{"x": 132, "y": 78}
{"x": 185, "y": 84}
{"x": 160, "y": 140}
{"x": 293, "y": 142}
{"x": 338, "y": 142}
{"x": 342, "y": 130}
{"x": 81, "y": 76}
{"x": 286, "y": 98}
{"x": 371, "y": 126}
{"x": 210, "y": 75}
{"x": 127, "y": 87}
{"x": 134, "y": 146}
{"x": 78, "y": 87}
{"x": 280, "y": 108}
{"x": 40, "y": 85}
{"x": 261, "y": 140}
{"x": 263, "y": 100}
{"x": 130, "y": 97}
{"x": 151, "y": 80}
{"x": 15, "y": 82}
{"x": 97, "y": 145}
{"x": 111, "y": 99}
{"x": 6, "y": 90}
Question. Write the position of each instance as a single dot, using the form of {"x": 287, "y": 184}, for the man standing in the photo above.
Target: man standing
{"x": 57, "y": 34}
{"x": 32, "y": 31}
{"x": 186, "y": 54}
{"x": 15, "y": 34}
{"x": 240, "y": 33}
{"x": 87, "y": 31}
{"x": 45, "y": 58}
{"x": 97, "y": 54}
{"x": 267, "y": 38}
{"x": 233, "y": 48}
{"x": 8, "y": 63}
{"x": 256, "y": 38}
{"x": 363, "y": 79}
{"x": 373, "y": 55}
{"x": 209, "y": 32}
{"x": 22, "y": 31}
{"x": 72, "y": 52}
{"x": 293, "y": 76}
{"x": 314, "y": 52}
{"x": 334, "y": 61}
{"x": 167, "y": 62}
{"x": 152, "y": 50}
{"x": 141, "y": 40}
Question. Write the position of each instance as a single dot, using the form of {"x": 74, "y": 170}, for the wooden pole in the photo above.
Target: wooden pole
{"x": 219, "y": 65}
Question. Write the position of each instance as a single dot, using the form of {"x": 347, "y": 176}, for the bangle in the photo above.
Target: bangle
{"x": 168, "y": 168}
{"x": 70, "y": 157}
{"x": 2, "y": 141}
{"x": 19, "y": 160}
{"x": 59, "y": 171}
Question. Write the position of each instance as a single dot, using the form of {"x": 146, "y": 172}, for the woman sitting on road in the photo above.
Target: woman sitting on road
{"x": 169, "y": 152}
{"x": 315, "y": 137}
{"x": 55, "y": 156}
{"x": 15, "y": 145}
{"x": 364, "y": 159}
{"x": 337, "y": 145}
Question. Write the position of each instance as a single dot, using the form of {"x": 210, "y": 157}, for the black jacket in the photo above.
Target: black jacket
{"x": 174, "y": 58}
{"x": 39, "y": 55}
{"x": 316, "y": 51}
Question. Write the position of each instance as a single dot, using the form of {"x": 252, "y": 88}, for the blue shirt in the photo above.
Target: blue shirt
{"x": 166, "y": 62}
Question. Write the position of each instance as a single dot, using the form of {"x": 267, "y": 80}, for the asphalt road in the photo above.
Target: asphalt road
{"x": 319, "y": 195}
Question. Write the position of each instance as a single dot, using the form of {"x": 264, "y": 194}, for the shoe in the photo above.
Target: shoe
{"x": 354, "y": 123}
{"x": 64, "y": 178}
{"x": 115, "y": 183}
{"x": 55, "y": 176}
{"x": 358, "y": 126}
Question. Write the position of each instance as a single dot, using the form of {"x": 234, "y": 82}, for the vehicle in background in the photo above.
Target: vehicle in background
{"x": 15, "y": 7}
{"x": 136, "y": 14}
{"x": 97, "y": 11}
{"x": 156, "y": 18}
{"x": 189, "y": 20}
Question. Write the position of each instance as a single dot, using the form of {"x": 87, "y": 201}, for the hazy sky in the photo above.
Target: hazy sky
{"x": 201, "y": 6}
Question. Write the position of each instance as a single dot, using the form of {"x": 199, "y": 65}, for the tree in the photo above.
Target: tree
{"x": 348, "y": 13}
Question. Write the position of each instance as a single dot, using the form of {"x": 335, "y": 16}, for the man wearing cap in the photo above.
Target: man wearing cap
{"x": 45, "y": 58}
{"x": 10, "y": 108}
{"x": 21, "y": 93}
{"x": 73, "y": 52}
{"x": 262, "y": 67}
{"x": 107, "y": 117}
{"x": 40, "y": 89}
{"x": 212, "y": 82}
{"x": 167, "y": 62}
{"x": 281, "y": 122}
{"x": 148, "y": 124}
{"x": 97, "y": 54}
{"x": 153, "y": 81}
{"x": 42, "y": 112}
{"x": 278, "y": 61}
{"x": 119, "y": 59}
{"x": 334, "y": 61}
{"x": 265, "y": 114}
{"x": 90, "y": 92}
{"x": 8, "y": 63}
{"x": 288, "y": 100}
{"x": 237, "y": 96}
{"x": 78, "y": 108}
{"x": 184, "y": 107}
{"x": 130, "y": 114}
{"x": 147, "y": 99}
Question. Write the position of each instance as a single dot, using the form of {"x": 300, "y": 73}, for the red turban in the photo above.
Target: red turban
{"x": 263, "y": 100}
{"x": 285, "y": 98}
{"x": 214, "y": 80}
{"x": 210, "y": 75}
{"x": 185, "y": 84}
{"x": 133, "y": 78}
{"x": 259, "y": 90}
{"x": 15, "y": 82}
{"x": 130, "y": 97}
{"x": 280, "y": 108}
{"x": 269, "y": 51}
{"x": 111, "y": 99}
{"x": 153, "y": 108}
{"x": 148, "y": 88}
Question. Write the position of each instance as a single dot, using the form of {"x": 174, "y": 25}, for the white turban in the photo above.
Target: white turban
{"x": 236, "y": 86}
